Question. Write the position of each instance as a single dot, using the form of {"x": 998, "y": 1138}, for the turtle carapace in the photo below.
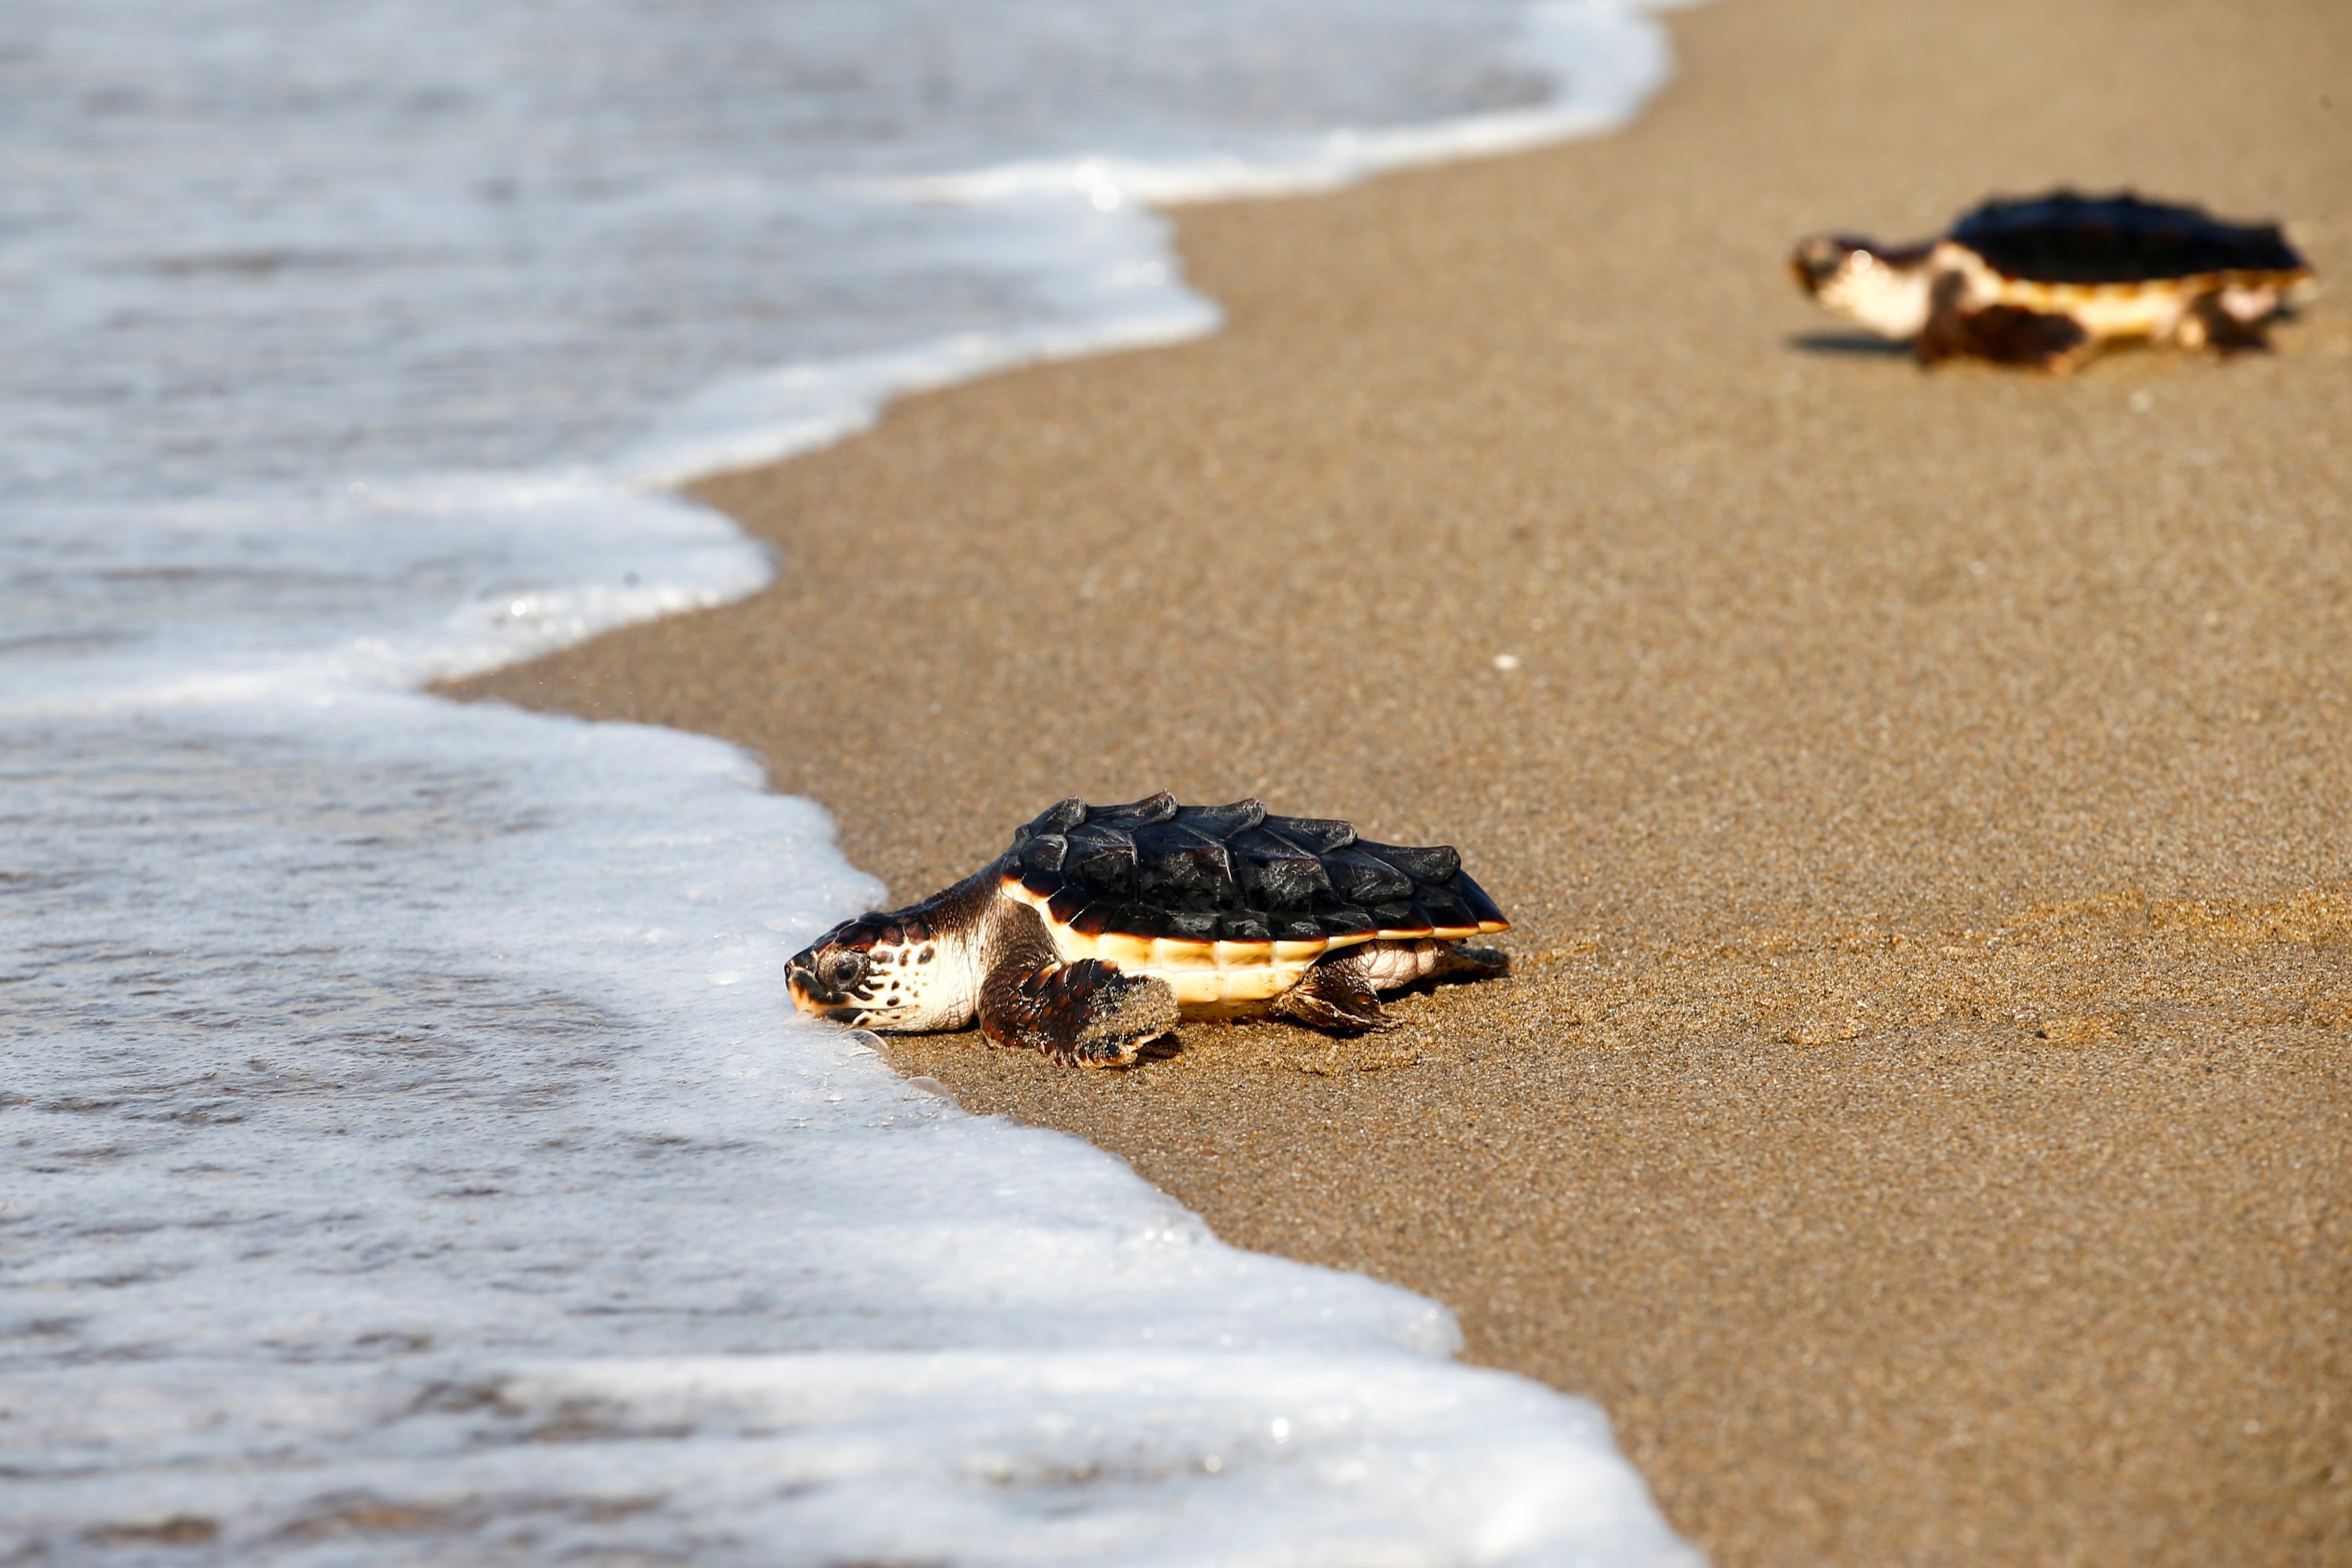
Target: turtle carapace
{"x": 2044, "y": 281}
{"x": 1102, "y": 926}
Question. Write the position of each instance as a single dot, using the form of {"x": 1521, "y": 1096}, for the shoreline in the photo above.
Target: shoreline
{"x": 1920, "y": 1115}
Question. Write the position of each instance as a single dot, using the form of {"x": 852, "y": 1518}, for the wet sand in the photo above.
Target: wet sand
{"x": 1922, "y": 1111}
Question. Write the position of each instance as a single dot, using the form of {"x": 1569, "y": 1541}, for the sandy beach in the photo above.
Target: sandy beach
{"x": 1921, "y": 1114}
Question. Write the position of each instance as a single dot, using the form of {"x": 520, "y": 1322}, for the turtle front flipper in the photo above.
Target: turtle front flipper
{"x": 1086, "y": 1014}
{"x": 2005, "y": 334}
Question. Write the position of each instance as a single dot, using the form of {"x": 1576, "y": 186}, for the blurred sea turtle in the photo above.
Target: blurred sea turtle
{"x": 2044, "y": 281}
{"x": 1103, "y": 925}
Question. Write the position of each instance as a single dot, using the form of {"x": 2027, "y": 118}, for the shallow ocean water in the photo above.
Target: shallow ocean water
{"x": 407, "y": 1150}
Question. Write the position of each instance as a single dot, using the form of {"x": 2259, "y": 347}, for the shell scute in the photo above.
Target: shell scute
{"x": 1316, "y": 835}
{"x": 1442, "y": 909}
{"x": 1483, "y": 908}
{"x": 1044, "y": 853}
{"x": 1058, "y": 817}
{"x": 1222, "y": 822}
{"x": 1104, "y": 860}
{"x": 1127, "y": 951}
{"x": 1094, "y": 919}
{"x": 1367, "y": 879}
{"x": 1434, "y": 863}
{"x": 1263, "y": 843}
{"x": 1287, "y": 881}
{"x": 1192, "y": 925}
{"x": 1138, "y": 919}
{"x": 1135, "y": 814}
{"x": 1181, "y": 869}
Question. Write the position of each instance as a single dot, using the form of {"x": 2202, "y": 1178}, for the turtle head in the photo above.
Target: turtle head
{"x": 896, "y": 972}
{"x": 1884, "y": 288}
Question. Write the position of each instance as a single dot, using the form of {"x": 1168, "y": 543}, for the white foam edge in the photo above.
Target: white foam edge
{"x": 767, "y": 417}
{"x": 1606, "y": 56}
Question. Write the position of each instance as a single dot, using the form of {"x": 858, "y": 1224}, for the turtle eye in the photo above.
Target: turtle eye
{"x": 844, "y": 968}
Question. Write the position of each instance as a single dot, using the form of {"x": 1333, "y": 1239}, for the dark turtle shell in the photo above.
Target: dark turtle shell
{"x": 1153, "y": 868}
{"x": 2068, "y": 237}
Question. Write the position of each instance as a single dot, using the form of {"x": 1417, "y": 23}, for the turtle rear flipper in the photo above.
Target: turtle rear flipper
{"x": 2209, "y": 323}
{"x": 1460, "y": 960}
{"x": 1336, "y": 996}
{"x": 1086, "y": 1014}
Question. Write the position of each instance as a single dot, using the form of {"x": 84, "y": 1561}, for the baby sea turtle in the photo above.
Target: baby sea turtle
{"x": 1103, "y": 925}
{"x": 2044, "y": 281}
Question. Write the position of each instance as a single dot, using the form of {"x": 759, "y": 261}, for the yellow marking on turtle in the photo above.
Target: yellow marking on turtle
{"x": 1171, "y": 954}
{"x": 1221, "y": 977}
{"x": 2145, "y": 308}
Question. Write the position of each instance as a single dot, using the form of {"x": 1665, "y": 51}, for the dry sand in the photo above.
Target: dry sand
{"x": 1921, "y": 1114}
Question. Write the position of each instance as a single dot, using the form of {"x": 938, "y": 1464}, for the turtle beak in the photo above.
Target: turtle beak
{"x": 805, "y": 977}
{"x": 1816, "y": 260}
{"x": 801, "y": 978}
